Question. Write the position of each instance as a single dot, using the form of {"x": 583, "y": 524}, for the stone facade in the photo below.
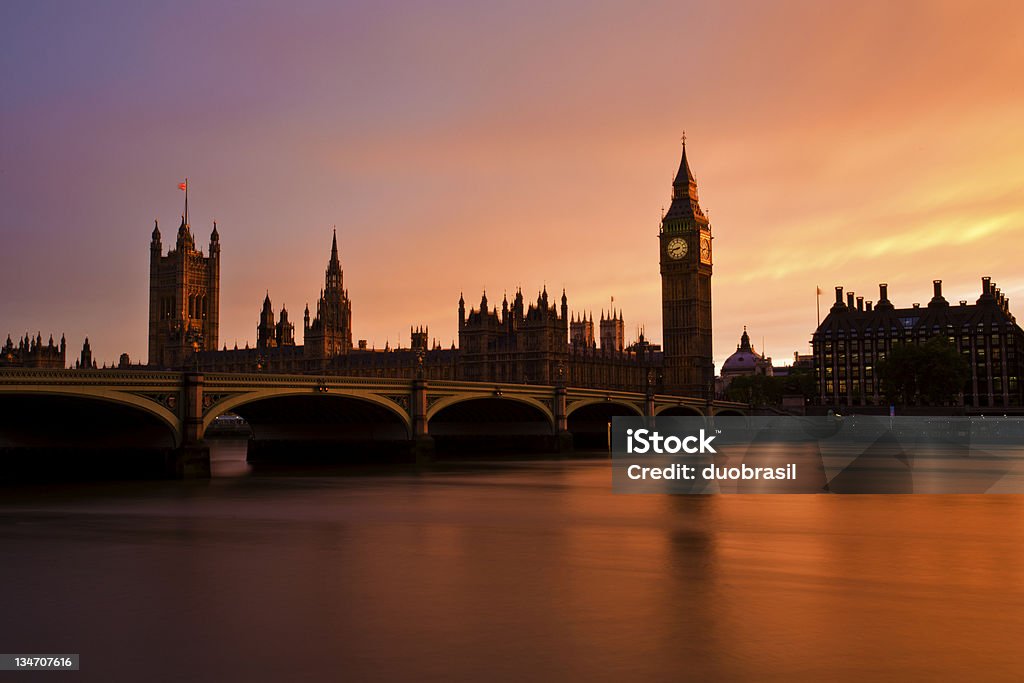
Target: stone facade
{"x": 184, "y": 298}
{"x": 686, "y": 268}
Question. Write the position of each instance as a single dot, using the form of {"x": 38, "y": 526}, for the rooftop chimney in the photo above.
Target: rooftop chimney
{"x": 839, "y": 295}
{"x": 986, "y": 290}
{"x": 938, "y": 299}
{"x": 883, "y": 292}
{"x": 869, "y": 306}
{"x": 849, "y": 300}
{"x": 860, "y": 303}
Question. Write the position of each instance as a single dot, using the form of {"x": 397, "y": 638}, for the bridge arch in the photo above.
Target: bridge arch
{"x": 141, "y": 404}
{"x": 576, "y": 405}
{"x": 678, "y": 411}
{"x": 588, "y": 420}
{"x": 239, "y": 401}
{"x": 482, "y": 424}
{"x": 450, "y": 401}
{"x": 729, "y": 412}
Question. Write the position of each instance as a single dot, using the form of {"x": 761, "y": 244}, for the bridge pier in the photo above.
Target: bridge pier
{"x": 423, "y": 449}
{"x": 190, "y": 462}
{"x": 418, "y": 407}
{"x": 192, "y": 459}
{"x": 422, "y": 442}
{"x": 563, "y": 438}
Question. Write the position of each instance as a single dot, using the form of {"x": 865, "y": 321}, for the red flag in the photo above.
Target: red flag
{"x": 183, "y": 186}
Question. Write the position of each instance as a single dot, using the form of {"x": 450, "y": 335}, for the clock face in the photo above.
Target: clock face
{"x": 705, "y": 249}
{"x": 676, "y": 249}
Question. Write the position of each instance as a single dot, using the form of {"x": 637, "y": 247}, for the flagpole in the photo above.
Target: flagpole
{"x": 186, "y": 200}
{"x": 817, "y": 303}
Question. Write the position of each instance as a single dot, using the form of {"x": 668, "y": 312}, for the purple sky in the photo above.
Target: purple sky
{"x": 463, "y": 145}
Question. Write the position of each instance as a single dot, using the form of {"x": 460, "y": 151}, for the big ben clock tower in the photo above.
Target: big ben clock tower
{"x": 685, "y": 243}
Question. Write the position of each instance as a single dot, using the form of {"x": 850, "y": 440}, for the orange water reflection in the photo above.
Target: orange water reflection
{"x": 529, "y": 571}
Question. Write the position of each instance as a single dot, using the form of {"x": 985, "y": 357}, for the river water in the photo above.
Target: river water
{"x": 506, "y": 571}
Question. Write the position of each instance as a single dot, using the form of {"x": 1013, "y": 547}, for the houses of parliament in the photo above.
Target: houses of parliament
{"x": 533, "y": 341}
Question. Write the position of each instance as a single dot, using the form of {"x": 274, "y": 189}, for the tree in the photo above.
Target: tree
{"x": 800, "y": 382}
{"x": 932, "y": 373}
{"x": 897, "y": 373}
{"x": 758, "y": 390}
{"x": 943, "y": 372}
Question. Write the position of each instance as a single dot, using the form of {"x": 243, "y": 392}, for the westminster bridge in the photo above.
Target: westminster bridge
{"x": 65, "y": 414}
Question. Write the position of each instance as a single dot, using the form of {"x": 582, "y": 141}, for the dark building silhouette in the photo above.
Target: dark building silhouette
{"x": 33, "y": 353}
{"x": 85, "y": 361}
{"x": 520, "y": 342}
{"x": 686, "y": 290}
{"x": 581, "y": 332}
{"x": 184, "y": 298}
{"x": 613, "y": 331}
{"x": 855, "y": 335}
{"x": 329, "y": 334}
{"x": 270, "y": 334}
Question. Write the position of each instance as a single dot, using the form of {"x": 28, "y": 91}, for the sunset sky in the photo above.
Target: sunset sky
{"x": 464, "y": 145}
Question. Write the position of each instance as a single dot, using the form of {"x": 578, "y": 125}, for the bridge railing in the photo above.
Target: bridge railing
{"x": 110, "y": 376}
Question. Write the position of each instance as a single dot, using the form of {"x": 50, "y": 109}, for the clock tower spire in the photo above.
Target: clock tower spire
{"x": 685, "y": 256}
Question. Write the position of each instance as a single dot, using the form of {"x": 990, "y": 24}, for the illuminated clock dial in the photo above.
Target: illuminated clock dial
{"x": 676, "y": 249}
{"x": 705, "y": 248}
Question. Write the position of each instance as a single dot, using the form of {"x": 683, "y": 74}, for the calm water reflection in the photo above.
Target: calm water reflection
{"x": 512, "y": 571}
